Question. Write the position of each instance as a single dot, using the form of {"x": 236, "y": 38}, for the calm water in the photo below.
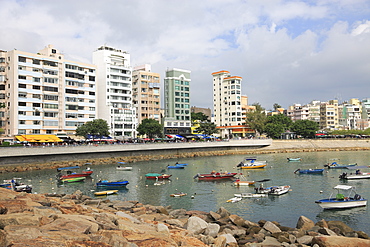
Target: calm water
{"x": 210, "y": 196}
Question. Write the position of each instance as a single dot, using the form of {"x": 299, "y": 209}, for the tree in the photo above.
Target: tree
{"x": 207, "y": 128}
{"x": 274, "y": 130}
{"x": 150, "y": 127}
{"x": 305, "y": 128}
{"x": 276, "y": 106}
{"x": 256, "y": 119}
{"x": 198, "y": 116}
{"x": 97, "y": 127}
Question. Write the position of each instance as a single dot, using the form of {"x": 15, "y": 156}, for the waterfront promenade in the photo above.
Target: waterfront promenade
{"x": 24, "y": 157}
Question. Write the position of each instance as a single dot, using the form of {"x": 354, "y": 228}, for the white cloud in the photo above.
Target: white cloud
{"x": 287, "y": 51}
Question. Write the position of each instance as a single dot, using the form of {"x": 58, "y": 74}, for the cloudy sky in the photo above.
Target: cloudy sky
{"x": 287, "y": 51}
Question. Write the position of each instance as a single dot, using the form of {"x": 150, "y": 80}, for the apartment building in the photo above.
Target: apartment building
{"x": 146, "y": 94}
{"x": 44, "y": 93}
{"x": 177, "y": 119}
{"x": 114, "y": 91}
{"x": 227, "y": 105}
{"x": 329, "y": 115}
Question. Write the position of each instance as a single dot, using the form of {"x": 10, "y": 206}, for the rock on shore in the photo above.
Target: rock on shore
{"x": 37, "y": 220}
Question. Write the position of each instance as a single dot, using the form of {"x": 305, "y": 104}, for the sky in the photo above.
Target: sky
{"x": 287, "y": 51}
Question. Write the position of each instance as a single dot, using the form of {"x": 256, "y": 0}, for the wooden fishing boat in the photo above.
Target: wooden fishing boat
{"x": 340, "y": 201}
{"x": 106, "y": 183}
{"x": 105, "y": 192}
{"x": 157, "y": 176}
{"x": 215, "y": 176}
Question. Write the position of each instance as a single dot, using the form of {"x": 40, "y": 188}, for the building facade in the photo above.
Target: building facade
{"x": 146, "y": 94}
{"x": 329, "y": 115}
{"x": 177, "y": 119}
{"x": 227, "y": 105}
{"x": 44, "y": 93}
{"x": 114, "y": 91}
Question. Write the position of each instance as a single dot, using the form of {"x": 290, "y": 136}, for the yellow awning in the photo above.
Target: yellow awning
{"x": 38, "y": 138}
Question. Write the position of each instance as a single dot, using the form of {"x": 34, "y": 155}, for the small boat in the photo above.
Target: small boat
{"x": 234, "y": 199}
{"x": 157, "y": 176}
{"x": 249, "y": 195}
{"x": 124, "y": 168}
{"x": 294, "y": 159}
{"x": 357, "y": 175}
{"x": 14, "y": 185}
{"x": 252, "y": 163}
{"x": 309, "y": 171}
{"x": 340, "y": 201}
{"x": 105, "y": 192}
{"x": 239, "y": 182}
{"x": 106, "y": 183}
{"x": 85, "y": 173}
{"x": 175, "y": 167}
{"x": 180, "y": 194}
{"x": 215, "y": 175}
{"x": 73, "y": 180}
{"x": 274, "y": 190}
{"x": 335, "y": 165}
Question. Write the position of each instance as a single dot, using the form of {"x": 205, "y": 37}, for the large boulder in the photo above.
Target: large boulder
{"x": 340, "y": 241}
{"x": 335, "y": 224}
{"x": 196, "y": 225}
{"x": 271, "y": 227}
{"x": 19, "y": 219}
{"x": 304, "y": 223}
{"x": 212, "y": 229}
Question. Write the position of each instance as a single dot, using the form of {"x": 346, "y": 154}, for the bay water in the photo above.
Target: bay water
{"x": 211, "y": 195}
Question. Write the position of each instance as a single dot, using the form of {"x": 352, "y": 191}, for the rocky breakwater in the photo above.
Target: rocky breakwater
{"x": 78, "y": 220}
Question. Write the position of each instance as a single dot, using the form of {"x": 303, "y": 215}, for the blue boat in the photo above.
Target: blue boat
{"x": 177, "y": 166}
{"x": 309, "y": 171}
{"x": 335, "y": 165}
{"x": 106, "y": 183}
{"x": 67, "y": 168}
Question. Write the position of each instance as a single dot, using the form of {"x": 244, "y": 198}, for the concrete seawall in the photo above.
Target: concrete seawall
{"x": 23, "y": 159}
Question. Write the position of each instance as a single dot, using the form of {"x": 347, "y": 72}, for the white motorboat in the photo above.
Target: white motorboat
{"x": 249, "y": 195}
{"x": 274, "y": 190}
{"x": 357, "y": 175}
{"x": 341, "y": 201}
{"x": 124, "y": 168}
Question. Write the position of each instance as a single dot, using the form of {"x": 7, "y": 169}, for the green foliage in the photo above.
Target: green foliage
{"x": 2, "y": 105}
{"x": 97, "y": 127}
{"x": 150, "y": 127}
{"x": 274, "y": 130}
{"x": 198, "y": 116}
{"x": 305, "y": 128}
{"x": 350, "y": 132}
{"x": 257, "y": 119}
{"x": 207, "y": 128}
{"x": 276, "y": 106}
{"x": 6, "y": 144}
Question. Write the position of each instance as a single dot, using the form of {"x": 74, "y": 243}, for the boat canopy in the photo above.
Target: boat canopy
{"x": 343, "y": 187}
{"x": 67, "y": 168}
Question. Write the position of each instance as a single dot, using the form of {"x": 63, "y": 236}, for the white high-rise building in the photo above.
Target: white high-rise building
{"x": 227, "y": 108}
{"x": 114, "y": 91}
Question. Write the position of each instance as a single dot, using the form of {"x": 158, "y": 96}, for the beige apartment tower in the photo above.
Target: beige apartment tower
{"x": 146, "y": 93}
{"x": 44, "y": 93}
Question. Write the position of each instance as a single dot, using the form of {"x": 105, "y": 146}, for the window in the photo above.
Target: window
{"x": 36, "y": 79}
{"x": 22, "y": 104}
{"x": 36, "y": 105}
{"x": 36, "y": 87}
{"x": 22, "y": 77}
{"x": 22, "y": 59}
{"x": 50, "y": 123}
{"x": 51, "y": 106}
{"x": 22, "y": 95}
{"x": 91, "y": 93}
{"x": 50, "y": 89}
{"x": 36, "y": 61}
{"x": 51, "y": 80}
{"x": 20, "y": 85}
{"x": 36, "y": 113}
{"x": 51, "y": 114}
{"x": 22, "y": 121}
{"x": 51, "y": 97}
{"x": 22, "y": 113}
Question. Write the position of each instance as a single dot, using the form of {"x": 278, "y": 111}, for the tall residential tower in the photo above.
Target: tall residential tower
{"x": 114, "y": 91}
